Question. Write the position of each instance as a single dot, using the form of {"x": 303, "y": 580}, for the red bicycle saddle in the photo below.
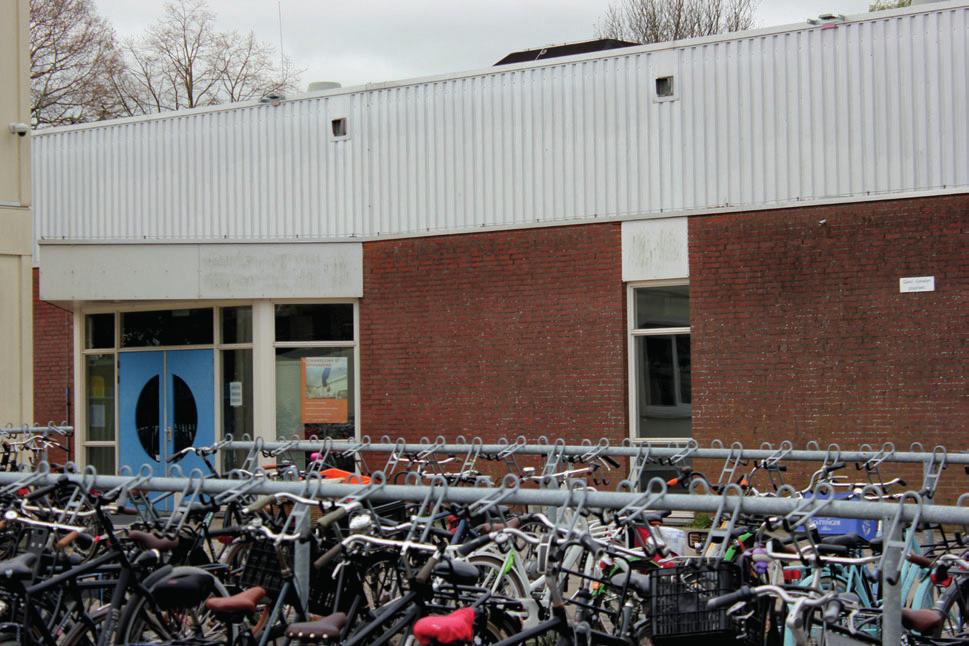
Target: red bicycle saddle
{"x": 454, "y": 628}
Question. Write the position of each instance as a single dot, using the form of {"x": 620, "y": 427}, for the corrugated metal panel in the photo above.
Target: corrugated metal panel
{"x": 869, "y": 107}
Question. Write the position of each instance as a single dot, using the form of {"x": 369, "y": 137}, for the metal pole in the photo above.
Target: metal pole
{"x": 301, "y": 564}
{"x": 891, "y": 588}
{"x": 907, "y": 457}
{"x": 597, "y": 499}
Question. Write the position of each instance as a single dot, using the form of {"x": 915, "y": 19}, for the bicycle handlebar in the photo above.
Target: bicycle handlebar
{"x": 743, "y": 594}
{"x": 12, "y": 516}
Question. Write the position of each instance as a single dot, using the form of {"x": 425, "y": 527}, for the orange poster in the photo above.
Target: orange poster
{"x": 325, "y": 394}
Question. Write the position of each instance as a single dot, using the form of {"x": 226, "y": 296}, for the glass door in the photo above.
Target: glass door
{"x": 166, "y": 403}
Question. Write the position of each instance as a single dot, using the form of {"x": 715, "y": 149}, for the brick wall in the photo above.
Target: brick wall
{"x": 53, "y": 362}
{"x": 800, "y": 332}
{"x": 501, "y": 333}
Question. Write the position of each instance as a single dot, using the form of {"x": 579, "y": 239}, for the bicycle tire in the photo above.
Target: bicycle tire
{"x": 79, "y": 634}
{"x": 955, "y": 608}
{"x": 139, "y": 614}
{"x": 490, "y": 565}
{"x": 499, "y": 626}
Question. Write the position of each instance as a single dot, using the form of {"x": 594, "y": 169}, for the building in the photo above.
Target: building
{"x": 16, "y": 240}
{"x": 751, "y": 237}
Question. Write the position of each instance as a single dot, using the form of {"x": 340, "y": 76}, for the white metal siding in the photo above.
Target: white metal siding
{"x": 870, "y": 107}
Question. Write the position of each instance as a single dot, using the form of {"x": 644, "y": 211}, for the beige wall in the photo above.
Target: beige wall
{"x": 16, "y": 304}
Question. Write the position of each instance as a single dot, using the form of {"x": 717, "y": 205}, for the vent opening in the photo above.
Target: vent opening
{"x": 664, "y": 86}
{"x": 339, "y": 127}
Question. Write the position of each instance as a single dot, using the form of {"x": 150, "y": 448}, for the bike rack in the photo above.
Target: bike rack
{"x": 723, "y": 533}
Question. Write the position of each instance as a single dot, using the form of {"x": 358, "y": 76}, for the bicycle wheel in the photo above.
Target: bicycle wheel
{"x": 369, "y": 582}
{"x": 499, "y": 626}
{"x": 955, "y": 609}
{"x": 143, "y": 622}
{"x": 495, "y": 578}
{"x": 83, "y": 634}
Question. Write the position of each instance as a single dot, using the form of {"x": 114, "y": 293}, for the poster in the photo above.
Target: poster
{"x": 97, "y": 417}
{"x": 325, "y": 393}
{"x": 235, "y": 394}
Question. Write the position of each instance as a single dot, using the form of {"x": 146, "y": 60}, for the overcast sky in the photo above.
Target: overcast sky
{"x": 361, "y": 41}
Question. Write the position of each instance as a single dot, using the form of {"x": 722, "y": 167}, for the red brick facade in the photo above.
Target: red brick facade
{"x": 800, "y": 332}
{"x": 53, "y": 361}
{"x": 495, "y": 334}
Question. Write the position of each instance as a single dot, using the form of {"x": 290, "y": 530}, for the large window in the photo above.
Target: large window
{"x": 660, "y": 339}
{"x": 310, "y": 349}
{"x": 99, "y": 364}
{"x": 315, "y": 378}
{"x": 236, "y": 387}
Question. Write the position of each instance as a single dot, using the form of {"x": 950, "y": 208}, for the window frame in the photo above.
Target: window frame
{"x": 263, "y": 347}
{"x": 353, "y": 344}
{"x": 81, "y": 390}
{"x": 633, "y": 334}
{"x": 221, "y": 347}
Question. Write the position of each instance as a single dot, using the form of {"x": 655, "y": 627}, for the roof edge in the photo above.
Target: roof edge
{"x": 932, "y": 7}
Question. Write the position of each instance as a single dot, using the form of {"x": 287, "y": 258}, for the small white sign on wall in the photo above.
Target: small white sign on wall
{"x": 916, "y": 284}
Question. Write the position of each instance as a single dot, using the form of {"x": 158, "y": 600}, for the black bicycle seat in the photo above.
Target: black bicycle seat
{"x": 183, "y": 590}
{"x": 851, "y": 541}
{"x": 19, "y": 567}
{"x": 639, "y": 583}
{"x": 457, "y": 572}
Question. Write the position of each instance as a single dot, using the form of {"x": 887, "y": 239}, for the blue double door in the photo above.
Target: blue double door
{"x": 166, "y": 403}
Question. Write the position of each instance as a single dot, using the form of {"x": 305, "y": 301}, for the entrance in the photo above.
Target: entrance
{"x": 166, "y": 401}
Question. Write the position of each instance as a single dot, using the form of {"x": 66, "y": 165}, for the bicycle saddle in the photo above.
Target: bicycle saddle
{"x": 183, "y": 590}
{"x": 237, "y": 604}
{"x": 925, "y": 621}
{"x": 457, "y": 572}
{"x": 454, "y": 628}
{"x": 151, "y": 542}
{"x": 19, "y": 567}
{"x": 310, "y": 632}
{"x": 639, "y": 583}
{"x": 851, "y": 541}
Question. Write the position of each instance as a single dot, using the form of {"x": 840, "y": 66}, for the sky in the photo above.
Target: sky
{"x": 362, "y": 41}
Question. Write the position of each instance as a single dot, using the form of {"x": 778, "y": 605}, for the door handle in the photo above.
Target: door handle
{"x": 168, "y": 434}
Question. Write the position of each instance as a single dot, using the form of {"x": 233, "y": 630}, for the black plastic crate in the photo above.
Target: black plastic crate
{"x": 679, "y": 598}
{"x": 262, "y": 567}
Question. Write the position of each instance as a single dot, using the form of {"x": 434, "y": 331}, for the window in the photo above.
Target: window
{"x": 236, "y": 324}
{"x": 99, "y": 362}
{"x": 236, "y": 388}
{"x": 297, "y": 323}
{"x": 99, "y": 331}
{"x": 99, "y": 381}
{"x": 166, "y": 328}
{"x": 660, "y": 340}
{"x": 315, "y": 371}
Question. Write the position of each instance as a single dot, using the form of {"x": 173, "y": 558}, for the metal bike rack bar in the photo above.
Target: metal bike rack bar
{"x": 27, "y": 429}
{"x": 631, "y": 451}
{"x": 862, "y": 509}
{"x": 893, "y": 515}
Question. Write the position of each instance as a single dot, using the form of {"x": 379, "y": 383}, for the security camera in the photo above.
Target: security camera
{"x": 19, "y": 129}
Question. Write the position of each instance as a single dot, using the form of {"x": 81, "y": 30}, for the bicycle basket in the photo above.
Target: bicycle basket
{"x": 262, "y": 567}
{"x": 679, "y": 598}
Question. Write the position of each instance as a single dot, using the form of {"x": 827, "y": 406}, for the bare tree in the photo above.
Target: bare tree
{"x": 880, "y": 5}
{"x": 72, "y": 57}
{"x": 183, "y": 61}
{"x": 656, "y": 21}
